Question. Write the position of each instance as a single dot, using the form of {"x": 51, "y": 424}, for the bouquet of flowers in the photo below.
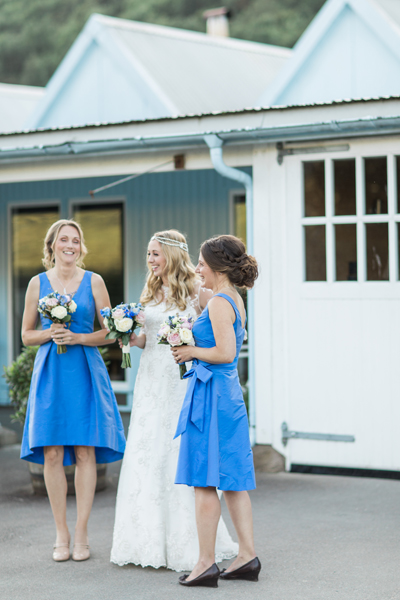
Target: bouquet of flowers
{"x": 177, "y": 331}
{"x": 58, "y": 308}
{"x": 121, "y": 322}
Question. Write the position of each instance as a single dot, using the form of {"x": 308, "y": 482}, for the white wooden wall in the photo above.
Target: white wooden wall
{"x": 327, "y": 353}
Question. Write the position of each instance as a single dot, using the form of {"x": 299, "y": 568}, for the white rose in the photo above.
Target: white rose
{"x": 72, "y": 306}
{"x": 59, "y": 312}
{"x": 186, "y": 335}
{"x": 124, "y": 325}
{"x": 105, "y": 321}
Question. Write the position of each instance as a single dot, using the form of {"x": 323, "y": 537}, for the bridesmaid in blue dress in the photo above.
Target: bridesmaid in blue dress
{"x": 72, "y": 414}
{"x": 215, "y": 450}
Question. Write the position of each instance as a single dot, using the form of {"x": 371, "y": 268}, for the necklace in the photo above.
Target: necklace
{"x": 68, "y": 282}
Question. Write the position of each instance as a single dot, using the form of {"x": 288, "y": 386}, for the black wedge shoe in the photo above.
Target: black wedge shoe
{"x": 249, "y": 571}
{"x": 207, "y": 579}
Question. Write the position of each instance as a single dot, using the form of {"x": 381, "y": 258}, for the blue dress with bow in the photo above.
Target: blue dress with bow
{"x": 71, "y": 401}
{"x": 215, "y": 446}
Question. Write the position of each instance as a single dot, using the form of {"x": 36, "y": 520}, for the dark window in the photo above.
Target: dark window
{"x": 102, "y": 225}
{"x": 28, "y": 229}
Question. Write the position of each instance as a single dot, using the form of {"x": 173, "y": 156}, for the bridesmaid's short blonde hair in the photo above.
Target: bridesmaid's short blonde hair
{"x": 51, "y": 238}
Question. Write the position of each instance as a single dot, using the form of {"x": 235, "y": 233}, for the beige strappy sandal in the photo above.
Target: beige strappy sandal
{"x": 61, "y": 552}
{"x": 80, "y": 552}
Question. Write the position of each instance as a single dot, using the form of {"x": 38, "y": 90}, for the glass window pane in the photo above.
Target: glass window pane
{"x": 376, "y": 186}
{"x": 398, "y": 246}
{"x": 315, "y": 253}
{"x": 240, "y": 232}
{"x": 99, "y": 223}
{"x": 314, "y": 189}
{"x": 240, "y": 216}
{"x": 398, "y": 182}
{"x": 28, "y": 230}
{"x": 345, "y": 187}
{"x": 377, "y": 252}
{"x": 346, "y": 252}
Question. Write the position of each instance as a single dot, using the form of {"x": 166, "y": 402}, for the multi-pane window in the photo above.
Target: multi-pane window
{"x": 28, "y": 230}
{"x": 351, "y": 219}
{"x": 102, "y": 225}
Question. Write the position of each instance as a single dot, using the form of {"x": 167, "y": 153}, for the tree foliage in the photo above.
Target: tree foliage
{"x": 36, "y": 34}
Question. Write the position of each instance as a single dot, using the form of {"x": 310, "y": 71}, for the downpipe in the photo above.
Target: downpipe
{"x": 215, "y": 145}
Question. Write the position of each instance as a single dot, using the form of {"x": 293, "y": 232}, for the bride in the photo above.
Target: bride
{"x": 155, "y": 523}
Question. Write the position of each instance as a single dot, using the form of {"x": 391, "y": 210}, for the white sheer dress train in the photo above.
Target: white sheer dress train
{"x": 155, "y": 519}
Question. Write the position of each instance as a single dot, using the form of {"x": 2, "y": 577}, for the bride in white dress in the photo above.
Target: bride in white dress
{"x": 155, "y": 523}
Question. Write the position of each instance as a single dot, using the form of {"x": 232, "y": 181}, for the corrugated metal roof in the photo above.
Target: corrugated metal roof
{"x": 16, "y": 104}
{"x": 215, "y": 113}
{"x": 198, "y": 72}
{"x": 391, "y": 8}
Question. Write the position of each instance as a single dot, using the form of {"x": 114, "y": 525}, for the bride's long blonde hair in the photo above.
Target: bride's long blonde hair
{"x": 180, "y": 270}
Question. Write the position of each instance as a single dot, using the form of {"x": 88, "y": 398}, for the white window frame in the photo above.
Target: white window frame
{"x": 331, "y": 287}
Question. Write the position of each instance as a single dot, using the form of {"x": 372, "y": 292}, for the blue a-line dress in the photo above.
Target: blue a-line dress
{"x": 71, "y": 401}
{"x": 215, "y": 447}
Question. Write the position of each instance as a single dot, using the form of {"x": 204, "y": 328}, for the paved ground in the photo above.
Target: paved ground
{"x": 318, "y": 538}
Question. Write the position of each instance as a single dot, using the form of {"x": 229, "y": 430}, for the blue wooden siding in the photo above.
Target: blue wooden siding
{"x": 195, "y": 202}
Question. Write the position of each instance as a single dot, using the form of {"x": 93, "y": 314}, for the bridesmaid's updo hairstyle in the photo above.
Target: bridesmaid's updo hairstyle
{"x": 227, "y": 254}
{"x": 48, "y": 259}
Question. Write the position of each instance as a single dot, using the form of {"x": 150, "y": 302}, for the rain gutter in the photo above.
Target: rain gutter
{"x": 369, "y": 126}
{"x": 215, "y": 144}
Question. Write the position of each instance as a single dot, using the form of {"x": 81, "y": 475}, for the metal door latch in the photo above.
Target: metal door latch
{"x": 328, "y": 437}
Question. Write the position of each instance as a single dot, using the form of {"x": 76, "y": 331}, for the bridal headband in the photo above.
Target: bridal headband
{"x": 169, "y": 242}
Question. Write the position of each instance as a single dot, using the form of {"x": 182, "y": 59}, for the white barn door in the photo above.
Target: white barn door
{"x": 342, "y": 324}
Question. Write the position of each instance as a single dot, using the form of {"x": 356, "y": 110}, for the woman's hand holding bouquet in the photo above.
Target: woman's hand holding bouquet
{"x": 177, "y": 331}
{"x": 58, "y": 308}
{"x": 121, "y": 322}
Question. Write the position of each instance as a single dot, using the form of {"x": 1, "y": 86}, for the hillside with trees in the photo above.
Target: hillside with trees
{"x": 36, "y": 34}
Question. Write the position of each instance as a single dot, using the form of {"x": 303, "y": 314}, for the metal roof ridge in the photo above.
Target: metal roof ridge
{"x": 191, "y": 35}
{"x": 22, "y": 88}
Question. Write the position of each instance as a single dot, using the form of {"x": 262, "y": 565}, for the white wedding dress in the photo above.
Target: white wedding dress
{"x": 155, "y": 519}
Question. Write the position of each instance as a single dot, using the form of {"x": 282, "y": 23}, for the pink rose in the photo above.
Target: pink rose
{"x": 186, "y": 325}
{"x": 51, "y": 302}
{"x": 174, "y": 339}
{"x": 118, "y": 313}
{"x": 141, "y": 317}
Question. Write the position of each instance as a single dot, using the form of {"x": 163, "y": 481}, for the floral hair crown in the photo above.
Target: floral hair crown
{"x": 169, "y": 242}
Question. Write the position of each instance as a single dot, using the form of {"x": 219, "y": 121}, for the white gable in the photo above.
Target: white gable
{"x": 350, "y": 50}
{"x": 120, "y": 70}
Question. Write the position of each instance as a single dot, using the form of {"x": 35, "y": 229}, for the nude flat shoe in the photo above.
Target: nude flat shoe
{"x": 61, "y": 552}
{"x": 80, "y": 552}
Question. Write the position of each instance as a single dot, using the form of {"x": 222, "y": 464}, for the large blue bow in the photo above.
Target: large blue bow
{"x": 195, "y": 399}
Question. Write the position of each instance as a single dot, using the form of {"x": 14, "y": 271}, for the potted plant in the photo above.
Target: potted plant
{"x": 18, "y": 376}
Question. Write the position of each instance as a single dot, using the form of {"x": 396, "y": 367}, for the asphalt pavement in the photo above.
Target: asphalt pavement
{"x": 318, "y": 538}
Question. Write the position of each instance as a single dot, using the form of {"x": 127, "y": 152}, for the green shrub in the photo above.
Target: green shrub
{"x": 18, "y": 376}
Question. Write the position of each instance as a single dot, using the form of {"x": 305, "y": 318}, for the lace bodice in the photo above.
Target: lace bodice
{"x": 156, "y": 314}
